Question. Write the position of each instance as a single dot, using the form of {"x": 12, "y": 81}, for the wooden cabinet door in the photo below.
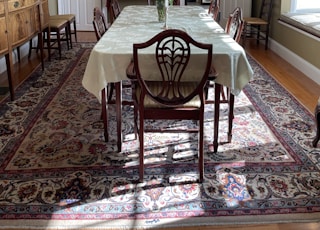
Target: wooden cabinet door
{"x": 3, "y": 31}
{"x": 22, "y": 25}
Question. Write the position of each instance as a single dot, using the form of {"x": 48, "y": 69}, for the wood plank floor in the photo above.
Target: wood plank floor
{"x": 300, "y": 86}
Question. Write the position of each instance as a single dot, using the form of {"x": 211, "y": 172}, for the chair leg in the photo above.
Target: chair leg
{"x": 59, "y": 43}
{"x": 110, "y": 91}
{"x": 67, "y": 32}
{"x": 69, "y": 37}
{"x": 141, "y": 152}
{"x": 201, "y": 158}
{"x": 104, "y": 114}
{"x": 217, "y": 91}
{"x": 258, "y": 35}
{"x": 119, "y": 118}
{"x": 75, "y": 30}
{"x": 317, "y": 116}
{"x": 231, "y": 115}
{"x": 267, "y": 39}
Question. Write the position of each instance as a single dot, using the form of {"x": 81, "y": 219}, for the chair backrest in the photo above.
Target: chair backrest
{"x": 174, "y": 2}
{"x": 115, "y": 10}
{"x": 170, "y": 69}
{"x": 266, "y": 10}
{"x": 214, "y": 8}
{"x": 235, "y": 23}
{"x": 99, "y": 23}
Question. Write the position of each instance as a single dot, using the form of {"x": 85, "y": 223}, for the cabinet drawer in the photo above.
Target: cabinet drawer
{"x": 18, "y": 4}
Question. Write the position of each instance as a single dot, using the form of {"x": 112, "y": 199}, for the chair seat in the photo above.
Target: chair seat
{"x": 68, "y": 17}
{"x": 255, "y": 21}
{"x": 57, "y": 23}
{"x": 156, "y": 87}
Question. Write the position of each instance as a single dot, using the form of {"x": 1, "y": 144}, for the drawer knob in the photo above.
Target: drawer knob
{"x": 16, "y": 4}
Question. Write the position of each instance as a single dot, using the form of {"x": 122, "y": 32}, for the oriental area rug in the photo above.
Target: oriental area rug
{"x": 57, "y": 172}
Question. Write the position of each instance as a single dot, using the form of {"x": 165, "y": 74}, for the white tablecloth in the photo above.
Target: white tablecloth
{"x": 112, "y": 54}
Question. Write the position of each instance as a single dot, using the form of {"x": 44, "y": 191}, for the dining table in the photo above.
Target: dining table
{"x": 112, "y": 54}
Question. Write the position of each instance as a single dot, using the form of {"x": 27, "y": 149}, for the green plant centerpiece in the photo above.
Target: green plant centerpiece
{"x": 162, "y": 7}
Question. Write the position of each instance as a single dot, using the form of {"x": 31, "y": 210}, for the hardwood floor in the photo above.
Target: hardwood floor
{"x": 299, "y": 85}
{"x": 305, "y": 90}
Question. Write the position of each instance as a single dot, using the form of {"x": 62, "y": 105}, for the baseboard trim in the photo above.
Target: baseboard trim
{"x": 302, "y": 65}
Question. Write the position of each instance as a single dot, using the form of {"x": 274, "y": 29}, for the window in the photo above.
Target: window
{"x": 305, "y": 6}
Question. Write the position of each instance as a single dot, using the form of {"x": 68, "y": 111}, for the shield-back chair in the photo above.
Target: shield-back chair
{"x": 169, "y": 90}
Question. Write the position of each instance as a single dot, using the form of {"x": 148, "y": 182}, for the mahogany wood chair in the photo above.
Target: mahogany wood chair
{"x": 317, "y": 119}
{"x": 115, "y": 10}
{"x": 166, "y": 93}
{"x": 234, "y": 28}
{"x": 99, "y": 23}
{"x": 100, "y": 27}
{"x": 258, "y": 27}
{"x": 214, "y": 8}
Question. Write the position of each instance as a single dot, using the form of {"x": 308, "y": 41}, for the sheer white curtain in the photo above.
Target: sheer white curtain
{"x": 305, "y": 6}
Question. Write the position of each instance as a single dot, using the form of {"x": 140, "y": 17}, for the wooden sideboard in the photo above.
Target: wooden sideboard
{"x": 20, "y": 21}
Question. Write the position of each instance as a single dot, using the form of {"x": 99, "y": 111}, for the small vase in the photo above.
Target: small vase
{"x": 162, "y": 10}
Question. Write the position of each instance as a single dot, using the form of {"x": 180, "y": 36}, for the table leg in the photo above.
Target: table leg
{"x": 217, "y": 92}
{"x": 104, "y": 114}
{"x": 118, "y": 87}
{"x": 231, "y": 114}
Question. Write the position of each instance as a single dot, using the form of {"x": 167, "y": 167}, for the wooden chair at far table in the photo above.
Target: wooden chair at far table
{"x": 214, "y": 9}
{"x": 165, "y": 89}
{"x": 234, "y": 28}
{"x": 100, "y": 27}
{"x": 114, "y": 10}
{"x": 99, "y": 22}
{"x": 258, "y": 27}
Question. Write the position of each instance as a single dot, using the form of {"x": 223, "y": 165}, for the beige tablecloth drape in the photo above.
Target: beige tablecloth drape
{"x": 112, "y": 54}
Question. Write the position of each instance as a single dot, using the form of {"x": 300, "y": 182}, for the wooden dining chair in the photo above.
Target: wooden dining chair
{"x": 115, "y": 10}
{"x": 258, "y": 27}
{"x": 234, "y": 28}
{"x": 166, "y": 90}
{"x": 100, "y": 25}
{"x": 214, "y": 9}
